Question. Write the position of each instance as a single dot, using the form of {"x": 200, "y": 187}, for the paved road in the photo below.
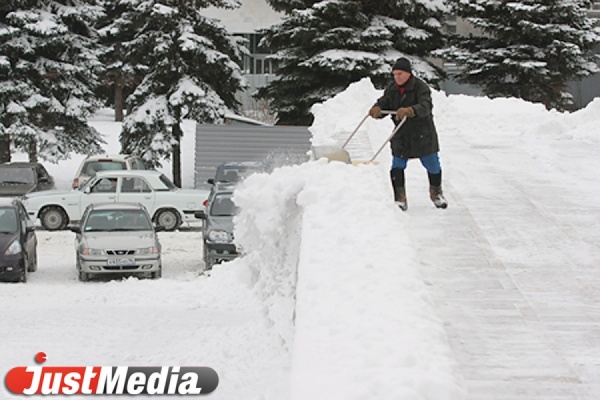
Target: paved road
{"x": 513, "y": 268}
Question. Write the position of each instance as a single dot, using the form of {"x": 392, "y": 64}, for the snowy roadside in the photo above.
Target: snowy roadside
{"x": 343, "y": 296}
{"x": 180, "y": 320}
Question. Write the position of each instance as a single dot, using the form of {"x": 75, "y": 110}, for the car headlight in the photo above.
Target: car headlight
{"x": 92, "y": 252}
{"x": 147, "y": 250}
{"x": 217, "y": 235}
{"x": 13, "y": 249}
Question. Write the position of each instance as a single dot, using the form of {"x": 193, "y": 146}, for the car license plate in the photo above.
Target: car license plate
{"x": 121, "y": 261}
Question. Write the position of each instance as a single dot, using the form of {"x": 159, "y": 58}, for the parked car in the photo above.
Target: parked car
{"x": 234, "y": 171}
{"x": 92, "y": 164}
{"x": 19, "y": 178}
{"x": 18, "y": 242}
{"x": 168, "y": 205}
{"x": 117, "y": 238}
{"x": 218, "y": 226}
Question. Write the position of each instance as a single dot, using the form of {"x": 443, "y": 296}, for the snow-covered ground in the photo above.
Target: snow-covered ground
{"x": 343, "y": 296}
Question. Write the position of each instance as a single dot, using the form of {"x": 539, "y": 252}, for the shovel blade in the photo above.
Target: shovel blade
{"x": 331, "y": 153}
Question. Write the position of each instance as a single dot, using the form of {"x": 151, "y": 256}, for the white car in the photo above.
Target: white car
{"x": 92, "y": 164}
{"x": 168, "y": 205}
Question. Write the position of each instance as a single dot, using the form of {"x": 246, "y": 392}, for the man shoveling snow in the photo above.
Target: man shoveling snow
{"x": 417, "y": 137}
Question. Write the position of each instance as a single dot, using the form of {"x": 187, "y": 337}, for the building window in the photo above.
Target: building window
{"x": 256, "y": 62}
{"x": 450, "y": 24}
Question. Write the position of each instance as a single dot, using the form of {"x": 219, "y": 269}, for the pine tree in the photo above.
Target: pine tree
{"x": 529, "y": 49}
{"x": 115, "y": 28}
{"x": 48, "y": 72}
{"x": 193, "y": 73}
{"x": 322, "y": 47}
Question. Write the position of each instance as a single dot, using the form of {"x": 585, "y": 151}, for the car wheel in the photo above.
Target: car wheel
{"x": 157, "y": 274}
{"x": 208, "y": 261}
{"x": 53, "y": 218}
{"x": 82, "y": 276}
{"x": 33, "y": 263}
{"x": 23, "y": 273}
{"x": 205, "y": 257}
{"x": 169, "y": 219}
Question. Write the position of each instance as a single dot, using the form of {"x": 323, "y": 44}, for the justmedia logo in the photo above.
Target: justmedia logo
{"x": 52, "y": 380}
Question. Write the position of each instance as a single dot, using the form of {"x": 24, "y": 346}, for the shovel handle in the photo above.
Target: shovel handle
{"x": 396, "y": 129}
{"x": 362, "y": 121}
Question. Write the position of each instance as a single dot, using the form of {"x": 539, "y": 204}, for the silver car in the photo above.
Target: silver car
{"x": 117, "y": 238}
{"x": 218, "y": 226}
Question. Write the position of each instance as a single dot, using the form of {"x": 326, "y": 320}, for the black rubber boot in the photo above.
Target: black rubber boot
{"x": 436, "y": 193}
{"x": 397, "y": 176}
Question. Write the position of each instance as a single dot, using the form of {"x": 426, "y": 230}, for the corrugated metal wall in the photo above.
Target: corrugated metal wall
{"x": 278, "y": 145}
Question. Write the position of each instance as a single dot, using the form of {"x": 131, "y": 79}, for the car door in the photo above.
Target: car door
{"x": 104, "y": 190}
{"x": 135, "y": 189}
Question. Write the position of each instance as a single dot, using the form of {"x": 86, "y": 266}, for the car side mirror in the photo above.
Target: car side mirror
{"x": 29, "y": 228}
{"x": 159, "y": 228}
{"x": 76, "y": 229}
{"x": 211, "y": 181}
{"x": 44, "y": 179}
{"x": 200, "y": 214}
{"x": 87, "y": 190}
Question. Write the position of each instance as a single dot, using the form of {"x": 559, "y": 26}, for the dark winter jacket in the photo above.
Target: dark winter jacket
{"x": 418, "y": 136}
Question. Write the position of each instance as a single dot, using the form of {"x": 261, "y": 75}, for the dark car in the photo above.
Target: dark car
{"x": 218, "y": 226}
{"x": 19, "y": 178}
{"x": 18, "y": 243}
{"x": 235, "y": 171}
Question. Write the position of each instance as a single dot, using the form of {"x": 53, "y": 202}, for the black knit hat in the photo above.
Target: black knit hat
{"x": 403, "y": 65}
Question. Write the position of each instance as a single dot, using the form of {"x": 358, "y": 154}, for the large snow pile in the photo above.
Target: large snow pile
{"x": 330, "y": 254}
{"x": 340, "y": 282}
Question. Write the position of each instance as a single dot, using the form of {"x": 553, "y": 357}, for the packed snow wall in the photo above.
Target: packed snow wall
{"x": 341, "y": 285}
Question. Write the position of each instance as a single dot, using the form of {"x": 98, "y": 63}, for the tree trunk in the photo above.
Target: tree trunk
{"x": 4, "y": 148}
{"x": 119, "y": 83}
{"x": 176, "y": 155}
{"x": 119, "y": 98}
{"x": 32, "y": 151}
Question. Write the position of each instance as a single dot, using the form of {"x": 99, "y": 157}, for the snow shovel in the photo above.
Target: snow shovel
{"x": 333, "y": 153}
{"x": 396, "y": 129}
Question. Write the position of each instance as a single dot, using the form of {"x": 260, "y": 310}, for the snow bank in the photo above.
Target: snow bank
{"x": 361, "y": 323}
{"x": 340, "y": 283}
{"x": 268, "y": 229}
{"x": 581, "y": 125}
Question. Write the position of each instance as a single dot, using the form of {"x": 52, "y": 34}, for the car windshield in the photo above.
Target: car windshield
{"x": 223, "y": 206}
{"x": 87, "y": 183}
{"x": 117, "y": 220}
{"x": 8, "y": 220}
{"x": 17, "y": 175}
{"x": 231, "y": 173}
{"x": 91, "y": 167}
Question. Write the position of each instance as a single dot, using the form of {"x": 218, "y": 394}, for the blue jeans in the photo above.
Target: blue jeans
{"x": 431, "y": 163}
